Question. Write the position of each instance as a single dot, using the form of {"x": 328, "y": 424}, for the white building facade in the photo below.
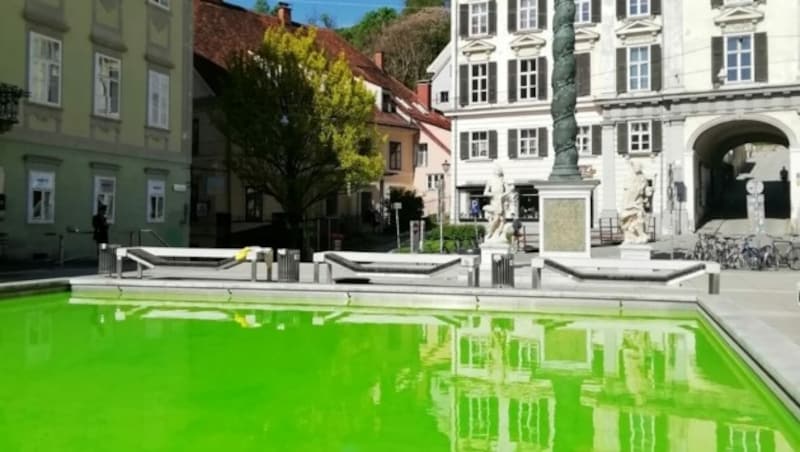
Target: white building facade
{"x": 674, "y": 85}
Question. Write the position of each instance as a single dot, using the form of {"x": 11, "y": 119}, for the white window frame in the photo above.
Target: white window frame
{"x": 644, "y": 69}
{"x": 158, "y": 99}
{"x": 103, "y": 100}
{"x": 153, "y": 192}
{"x": 583, "y": 142}
{"x": 479, "y": 83}
{"x": 583, "y": 11}
{"x": 96, "y": 199}
{"x": 738, "y": 52}
{"x": 527, "y": 88}
{"x": 40, "y": 90}
{"x": 479, "y": 144}
{"x": 527, "y": 16}
{"x": 641, "y": 7}
{"x": 422, "y": 155}
{"x": 645, "y": 132}
{"x": 528, "y": 143}
{"x": 160, "y": 3}
{"x": 49, "y": 188}
{"x": 433, "y": 181}
{"x": 479, "y": 18}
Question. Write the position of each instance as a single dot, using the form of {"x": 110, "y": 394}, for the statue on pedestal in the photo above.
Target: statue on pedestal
{"x": 634, "y": 215}
{"x": 500, "y": 193}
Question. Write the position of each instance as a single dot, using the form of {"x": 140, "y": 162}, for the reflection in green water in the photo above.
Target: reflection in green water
{"x": 120, "y": 378}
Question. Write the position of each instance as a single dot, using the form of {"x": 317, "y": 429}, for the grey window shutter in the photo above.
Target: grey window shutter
{"x": 584, "y": 73}
{"x": 622, "y": 9}
{"x": 597, "y": 140}
{"x": 464, "y": 146}
{"x": 597, "y": 11}
{"x": 463, "y": 82}
{"x": 512, "y": 143}
{"x": 492, "y": 82}
{"x": 657, "y": 137}
{"x": 541, "y": 135}
{"x": 622, "y": 138}
{"x": 717, "y": 3}
{"x": 655, "y": 8}
{"x": 493, "y": 144}
{"x": 492, "y": 17}
{"x": 463, "y": 21}
{"x": 761, "y": 57}
{"x": 717, "y": 58}
{"x": 541, "y": 78}
{"x": 657, "y": 68}
{"x": 622, "y": 70}
{"x": 541, "y": 21}
{"x": 512, "y": 15}
{"x": 512, "y": 81}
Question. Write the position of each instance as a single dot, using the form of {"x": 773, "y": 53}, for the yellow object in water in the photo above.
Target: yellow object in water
{"x": 242, "y": 254}
{"x": 240, "y": 320}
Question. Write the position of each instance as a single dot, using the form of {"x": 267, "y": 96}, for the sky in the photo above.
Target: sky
{"x": 345, "y": 12}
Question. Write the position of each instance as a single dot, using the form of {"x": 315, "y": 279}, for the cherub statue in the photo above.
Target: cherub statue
{"x": 634, "y": 215}
{"x": 499, "y": 192}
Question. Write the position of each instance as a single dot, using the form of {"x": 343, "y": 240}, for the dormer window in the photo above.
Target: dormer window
{"x": 387, "y": 104}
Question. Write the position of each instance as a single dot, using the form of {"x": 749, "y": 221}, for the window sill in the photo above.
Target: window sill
{"x": 32, "y": 222}
{"x": 641, "y": 153}
{"x": 528, "y": 31}
{"x": 159, "y": 6}
{"x": 54, "y": 107}
{"x": 156, "y": 129}
{"x": 112, "y": 119}
{"x": 478, "y": 37}
{"x": 529, "y": 157}
{"x": 155, "y": 221}
{"x": 479, "y": 159}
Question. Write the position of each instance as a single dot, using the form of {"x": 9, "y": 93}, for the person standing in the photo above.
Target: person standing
{"x": 100, "y": 226}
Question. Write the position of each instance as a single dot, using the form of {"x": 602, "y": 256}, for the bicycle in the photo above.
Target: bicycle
{"x": 787, "y": 254}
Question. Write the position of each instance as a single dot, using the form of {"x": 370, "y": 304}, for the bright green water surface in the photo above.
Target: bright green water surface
{"x": 135, "y": 378}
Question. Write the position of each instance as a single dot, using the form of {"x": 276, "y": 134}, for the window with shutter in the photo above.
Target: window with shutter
{"x": 492, "y": 82}
{"x": 717, "y": 60}
{"x": 527, "y": 14}
{"x": 739, "y": 58}
{"x": 656, "y": 67}
{"x": 597, "y": 12}
{"x": 584, "y": 74}
{"x": 762, "y": 57}
{"x": 657, "y": 136}
{"x": 639, "y": 69}
{"x": 541, "y": 84}
{"x": 542, "y": 134}
{"x": 541, "y": 21}
{"x": 463, "y": 146}
{"x": 622, "y": 70}
{"x": 493, "y": 144}
{"x": 528, "y": 79}
{"x": 463, "y": 82}
{"x": 463, "y": 20}
{"x": 583, "y": 140}
{"x": 528, "y": 142}
{"x": 478, "y": 18}
{"x": 512, "y": 16}
{"x": 622, "y": 138}
{"x": 106, "y": 85}
{"x": 512, "y": 143}
{"x": 583, "y": 11}
{"x": 597, "y": 140}
{"x": 512, "y": 80}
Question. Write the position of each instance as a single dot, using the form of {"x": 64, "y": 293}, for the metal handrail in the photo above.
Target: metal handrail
{"x": 139, "y": 233}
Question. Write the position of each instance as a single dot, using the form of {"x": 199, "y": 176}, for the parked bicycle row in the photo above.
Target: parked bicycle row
{"x": 748, "y": 252}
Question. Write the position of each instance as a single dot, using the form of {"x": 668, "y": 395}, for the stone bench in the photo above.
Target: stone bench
{"x": 201, "y": 258}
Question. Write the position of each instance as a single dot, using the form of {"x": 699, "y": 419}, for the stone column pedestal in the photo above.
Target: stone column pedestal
{"x": 635, "y": 252}
{"x": 565, "y": 228}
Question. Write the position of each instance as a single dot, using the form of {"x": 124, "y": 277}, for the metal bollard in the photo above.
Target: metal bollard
{"x": 107, "y": 259}
{"x": 713, "y": 283}
{"x": 288, "y": 265}
{"x": 502, "y": 270}
{"x": 536, "y": 277}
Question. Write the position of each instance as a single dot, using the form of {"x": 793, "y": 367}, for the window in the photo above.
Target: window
{"x": 528, "y": 143}
{"x": 639, "y": 68}
{"x": 387, "y": 104}
{"x": 156, "y": 193}
{"x": 527, "y": 79}
{"x": 253, "y": 205}
{"x": 479, "y": 83}
{"x": 527, "y": 14}
{"x": 434, "y": 180}
{"x": 395, "y": 156}
{"x": 528, "y": 208}
{"x": 44, "y": 72}
{"x": 158, "y": 104}
{"x": 641, "y": 432}
{"x": 528, "y": 420}
{"x": 422, "y": 155}
{"x": 444, "y": 96}
{"x": 162, "y": 3}
{"x": 584, "y": 140}
{"x": 479, "y": 145}
{"x": 105, "y": 190}
{"x": 479, "y": 18}
{"x": 106, "y": 85}
{"x": 739, "y": 58}
{"x": 640, "y": 137}
{"x": 41, "y": 197}
{"x": 638, "y": 7}
{"x": 473, "y": 351}
{"x": 583, "y": 11}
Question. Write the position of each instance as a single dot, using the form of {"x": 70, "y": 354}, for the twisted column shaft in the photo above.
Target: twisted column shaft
{"x": 565, "y": 94}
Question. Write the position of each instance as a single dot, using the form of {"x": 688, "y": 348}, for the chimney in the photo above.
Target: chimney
{"x": 284, "y": 13}
{"x": 424, "y": 93}
{"x": 378, "y": 59}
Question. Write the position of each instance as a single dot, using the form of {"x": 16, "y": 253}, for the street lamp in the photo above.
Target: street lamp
{"x": 9, "y": 105}
{"x": 445, "y": 170}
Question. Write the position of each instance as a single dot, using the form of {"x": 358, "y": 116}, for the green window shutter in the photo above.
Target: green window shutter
{"x": 464, "y": 146}
{"x": 622, "y": 9}
{"x": 512, "y": 16}
{"x": 717, "y": 58}
{"x": 541, "y": 21}
{"x": 463, "y": 21}
{"x": 717, "y": 3}
{"x": 657, "y": 137}
{"x": 541, "y": 78}
{"x": 655, "y": 8}
{"x": 622, "y": 138}
{"x": 512, "y": 81}
{"x": 622, "y": 70}
{"x": 597, "y": 140}
{"x": 463, "y": 82}
{"x": 597, "y": 11}
{"x": 512, "y": 143}
{"x": 541, "y": 136}
{"x": 493, "y": 144}
{"x": 584, "y": 73}
{"x": 656, "y": 67}
{"x": 492, "y": 82}
{"x": 492, "y": 17}
{"x": 761, "y": 57}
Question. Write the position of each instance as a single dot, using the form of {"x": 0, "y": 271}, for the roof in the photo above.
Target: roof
{"x": 441, "y": 61}
{"x": 222, "y": 29}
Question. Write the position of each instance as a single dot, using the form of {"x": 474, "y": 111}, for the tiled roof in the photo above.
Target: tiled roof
{"x": 221, "y": 29}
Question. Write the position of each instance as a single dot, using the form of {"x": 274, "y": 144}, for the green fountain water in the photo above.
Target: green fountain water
{"x": 160, "y": 378}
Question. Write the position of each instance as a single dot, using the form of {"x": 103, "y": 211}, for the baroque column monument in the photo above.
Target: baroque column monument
{"x": 565, "y": 198}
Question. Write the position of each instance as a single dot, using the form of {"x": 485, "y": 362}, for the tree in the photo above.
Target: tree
{"x": 413, "y": 6}
{"x": 299, "y": 122}
{"x": 367, "y": 29}
{"x": 261, "y": 6}
{"x": 412, "y": 42}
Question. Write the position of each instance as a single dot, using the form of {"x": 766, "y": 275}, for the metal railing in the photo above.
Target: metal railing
{"x": 138, "y": 233}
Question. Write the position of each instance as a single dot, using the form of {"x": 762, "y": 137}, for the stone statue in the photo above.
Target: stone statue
{"x": 634, "y": 216}
{"x": 499, "y": 193}
{"x": 565, "y": 94}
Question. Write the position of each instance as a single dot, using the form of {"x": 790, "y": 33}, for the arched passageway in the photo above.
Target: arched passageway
{"x": 729, "y": 154}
